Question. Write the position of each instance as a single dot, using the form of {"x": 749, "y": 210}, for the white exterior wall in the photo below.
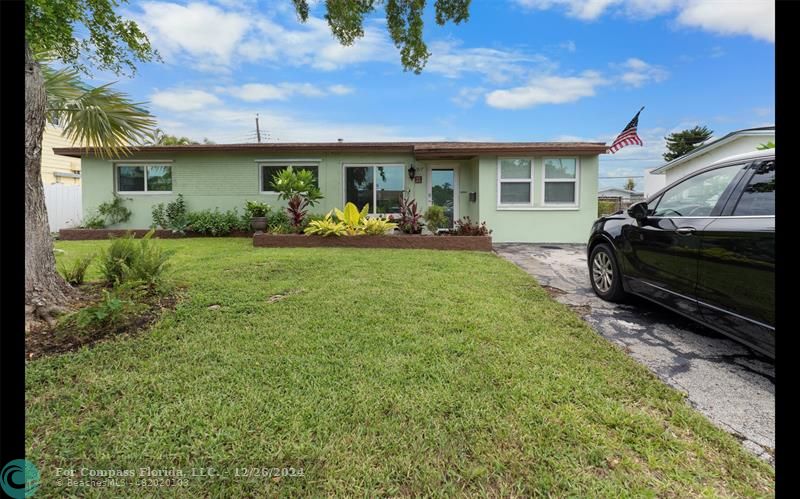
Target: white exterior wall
{"x": 653, "y": 183}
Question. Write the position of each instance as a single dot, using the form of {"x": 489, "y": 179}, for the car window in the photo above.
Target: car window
{"x": 758, "y": 198}
{"x": 696, "y": 196}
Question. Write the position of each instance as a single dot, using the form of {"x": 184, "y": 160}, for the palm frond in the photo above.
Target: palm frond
{"x": 99, "y": 117}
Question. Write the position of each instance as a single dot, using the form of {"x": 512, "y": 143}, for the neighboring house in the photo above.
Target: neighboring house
{"x": 61, "y": 178}
{"x": 525, "y": 191}
{"x": 738, "y": 142}
{"x": 57, "y": 168}
{"x": 625, "y": 195}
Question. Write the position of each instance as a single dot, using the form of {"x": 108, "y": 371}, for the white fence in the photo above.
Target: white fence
{"x": 63, "y": 205}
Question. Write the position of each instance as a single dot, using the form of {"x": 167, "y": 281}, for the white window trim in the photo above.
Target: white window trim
{"x": 575, "y": 181}
{"x": 374, "y": 203}
{"x": 284, "y": 163}
{"x": 145, "y": 164}
{"x": 500, "y": 180}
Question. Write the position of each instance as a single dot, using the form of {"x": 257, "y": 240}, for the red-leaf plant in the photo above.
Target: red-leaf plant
{"x": 409, "y": 219}
{"x": 298, "y": 188}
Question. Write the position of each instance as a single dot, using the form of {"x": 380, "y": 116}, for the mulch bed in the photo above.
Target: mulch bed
{"x": 469, "y": 243}
{"x": 43, "y": 340}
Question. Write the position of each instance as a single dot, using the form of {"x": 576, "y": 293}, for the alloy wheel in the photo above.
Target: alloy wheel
{"x": 602, "y": 271}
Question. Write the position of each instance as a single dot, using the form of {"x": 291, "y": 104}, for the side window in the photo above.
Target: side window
{"x": 758, "y": 198}
{"x": 696, "y": 196}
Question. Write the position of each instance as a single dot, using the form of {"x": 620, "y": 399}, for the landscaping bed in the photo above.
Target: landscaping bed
{"x": 95, "y": 234}
{"x": 406, "y": 241}
{"x": 43, "y": 339}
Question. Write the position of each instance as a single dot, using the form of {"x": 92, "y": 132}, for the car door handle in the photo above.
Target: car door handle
{"x": 685, "y": 231}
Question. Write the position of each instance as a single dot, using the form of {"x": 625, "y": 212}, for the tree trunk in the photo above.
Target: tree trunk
{"x": 46, "y": 292}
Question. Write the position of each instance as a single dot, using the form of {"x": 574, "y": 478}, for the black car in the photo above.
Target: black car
{"x": 703, "y": 246}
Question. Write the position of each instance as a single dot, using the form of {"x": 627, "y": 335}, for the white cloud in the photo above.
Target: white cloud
{"x": 227, "y": 125}
{"x": 257, "y": 92}
{"x": 582, "y": 9}
{"x": 755, "y": 18}
{"x": 215, "y": 37}
{"x": 547, "y": 90}
{"x": 636, "y": 73}
{"x": 449, "y": 59}
{"x": 198, "y": 29}
{"x": 183, "y": 100}
{"x": 467, "y": 96}
{"x": 340, "y": 89}
{"x": 312, "y": 44}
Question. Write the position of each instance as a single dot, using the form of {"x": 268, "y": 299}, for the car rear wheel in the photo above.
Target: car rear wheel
{"x": 604, "y": 274}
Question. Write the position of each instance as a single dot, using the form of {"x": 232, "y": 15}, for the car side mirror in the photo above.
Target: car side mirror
{"x": 638, "y": 210}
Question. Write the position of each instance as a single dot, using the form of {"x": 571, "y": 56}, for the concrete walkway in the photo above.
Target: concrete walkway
{"x": 731, "y": 384}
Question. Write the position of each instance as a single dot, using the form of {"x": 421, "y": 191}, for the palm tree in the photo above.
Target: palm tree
{"x": 159, "y": 138}
{"x": 99, "y": 117}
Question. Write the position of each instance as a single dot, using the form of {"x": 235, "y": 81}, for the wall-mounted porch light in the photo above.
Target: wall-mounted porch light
{"x": 412, "y": 171}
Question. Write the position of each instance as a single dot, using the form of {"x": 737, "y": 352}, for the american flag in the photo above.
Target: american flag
{"x": 628, "y": 135}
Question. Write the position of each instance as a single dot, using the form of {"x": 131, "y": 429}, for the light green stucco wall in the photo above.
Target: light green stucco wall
{"x": 228, "y": 180}
{"x": 539, "y": 224}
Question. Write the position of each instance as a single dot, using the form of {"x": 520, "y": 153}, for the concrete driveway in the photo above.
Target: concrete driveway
{"x": 730, "y": 383}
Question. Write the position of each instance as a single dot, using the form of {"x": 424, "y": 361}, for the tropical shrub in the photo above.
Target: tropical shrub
{"x": 128, "y": 259}
{"x": 253, "y": 209}
{"x": 116, "y": 259}
{"x": 466, "y": 227}
{"x": 217, "y": 223}
{"x": 76, "y": 272}
{"x": 349, "y": 222}
{"x": 298, "y": 188}
{"x": 409, "y": 218}
{"x": 150, "y": 262}
{"x": 93, "y": 221}
{"x": 114, "y": 212}
{"x": 278, "y": 223}
{"x": 111, "y": 309}
{"x": 172, "y": 217}
{"x": 326, "y": 227}
{"x": 378, "y": 226}
{"x": 435, "y": 218}
{"x": 352, "y": 219}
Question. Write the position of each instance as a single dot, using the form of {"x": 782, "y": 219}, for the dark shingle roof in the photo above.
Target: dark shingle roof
{"x": 430, "y": 149}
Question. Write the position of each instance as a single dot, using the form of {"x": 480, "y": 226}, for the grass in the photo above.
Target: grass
{"x": 378, "y": 373}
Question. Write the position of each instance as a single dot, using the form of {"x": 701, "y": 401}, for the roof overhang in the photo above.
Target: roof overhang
{"x": 420, "y": 150}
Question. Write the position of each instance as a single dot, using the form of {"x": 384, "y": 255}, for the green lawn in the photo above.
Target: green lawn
{"x": 381, "y": 373}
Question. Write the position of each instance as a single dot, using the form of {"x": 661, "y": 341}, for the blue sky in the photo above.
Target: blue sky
{"x": 521, "y": 70}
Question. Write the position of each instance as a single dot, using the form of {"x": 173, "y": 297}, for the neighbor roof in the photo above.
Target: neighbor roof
{"x": 708, "y": 146}
{"x": 421, "y": 150}
{"x": 617, "y": 189}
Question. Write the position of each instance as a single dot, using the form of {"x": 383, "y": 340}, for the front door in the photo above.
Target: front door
{"x": 443, "y": 191}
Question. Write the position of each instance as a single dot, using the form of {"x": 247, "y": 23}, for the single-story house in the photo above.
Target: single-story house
{"x": 525, "y": 191}
{"x": 737, "y": 142}
{"x": 624, "y": 194}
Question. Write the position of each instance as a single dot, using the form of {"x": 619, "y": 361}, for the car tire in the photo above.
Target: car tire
{"x": 604, "y": 274}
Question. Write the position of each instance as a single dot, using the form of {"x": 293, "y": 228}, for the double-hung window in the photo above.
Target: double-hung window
{"x": 515, "y": 182}
{"x": 560, "y": 181}
{"x": 140, "y": 177}
{"x": 268, "y": 170}
{"x": 380, "y": 186}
